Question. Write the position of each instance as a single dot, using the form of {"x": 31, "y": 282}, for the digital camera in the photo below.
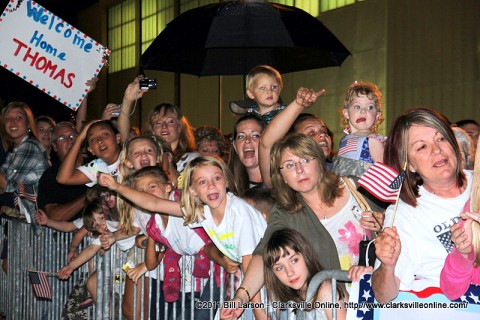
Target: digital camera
{"x": 147, "y": 84}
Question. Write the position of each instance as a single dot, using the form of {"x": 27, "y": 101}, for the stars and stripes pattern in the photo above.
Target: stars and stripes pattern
{"x": 27, "y": 191}
{"x": 382, "y": 181}
{"x": 365, "y": 298}
{"x": 347, "y": 145}
{"x": 40, "y": 285}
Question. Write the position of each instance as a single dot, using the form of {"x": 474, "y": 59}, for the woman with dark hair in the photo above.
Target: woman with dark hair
{"x": 45, "y": 126}
{"x": 243, "y": 159}
{"x": 413, "y": 250}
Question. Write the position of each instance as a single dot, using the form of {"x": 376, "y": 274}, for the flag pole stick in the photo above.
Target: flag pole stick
{"x": 398, "y": 194}
{"x": 50, "y": 274}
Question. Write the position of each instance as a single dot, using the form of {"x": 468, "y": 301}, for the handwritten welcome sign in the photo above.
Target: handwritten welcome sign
{"x": 48, "y": 53}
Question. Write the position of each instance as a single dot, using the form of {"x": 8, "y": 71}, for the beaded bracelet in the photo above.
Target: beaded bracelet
{"x": 246, "y": 291}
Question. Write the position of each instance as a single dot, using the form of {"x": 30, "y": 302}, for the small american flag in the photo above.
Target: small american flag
{"x": 382, "y": 181}
{"x": 348, "y": 145}
{"x": 27, "y": 191}
{"x": 40, "y": 285}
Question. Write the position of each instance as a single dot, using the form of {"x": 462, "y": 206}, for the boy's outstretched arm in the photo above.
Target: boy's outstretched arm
{"x": 142, "y": 199}
{"x": 76, "y": 240}
{"x": 64, "y": 226}
{"x": 87, "y": 254}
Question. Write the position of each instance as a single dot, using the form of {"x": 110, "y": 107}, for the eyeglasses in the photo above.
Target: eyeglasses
{"x": 273, "y": 88}
{"x": 70, "y": 137}
{"x": 291, "y": 165}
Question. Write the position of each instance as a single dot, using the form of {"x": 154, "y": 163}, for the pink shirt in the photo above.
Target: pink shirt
{"x": 458, "y": 273}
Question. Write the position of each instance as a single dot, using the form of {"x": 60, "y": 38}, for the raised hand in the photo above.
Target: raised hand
{"x": 306, "y": 97}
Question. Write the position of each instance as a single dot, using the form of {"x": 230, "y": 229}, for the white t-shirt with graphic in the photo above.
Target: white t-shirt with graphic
{"x": 240, "y": 231}
{"x": 95, "y": 166}
{"x": 424, "y": 232}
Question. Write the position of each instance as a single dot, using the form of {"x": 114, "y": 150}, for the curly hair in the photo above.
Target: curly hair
{"x": 211, "y": 134}
{"x": 372, "y": 92}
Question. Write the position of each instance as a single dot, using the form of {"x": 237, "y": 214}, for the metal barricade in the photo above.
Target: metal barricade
{"x": 48, "y": 253}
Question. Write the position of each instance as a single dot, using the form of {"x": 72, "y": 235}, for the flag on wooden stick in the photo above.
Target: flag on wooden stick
{"x": 40, "y": 285}
{"x": 382, "y": 181}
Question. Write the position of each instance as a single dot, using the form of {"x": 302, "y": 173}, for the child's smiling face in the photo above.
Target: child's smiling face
{"x": 99, "y": 222}
{"x": 141, "y": 153}
{"x": 209, "y": 185}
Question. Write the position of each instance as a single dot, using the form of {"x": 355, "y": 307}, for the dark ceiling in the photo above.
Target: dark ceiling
{"x": 13, "y": 88}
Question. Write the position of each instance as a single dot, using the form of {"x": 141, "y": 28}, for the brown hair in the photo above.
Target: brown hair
{"x": 278, "y": 246}
{"x": 235, "y": 165}
{"x": 329, "y": 185}
{"x": 396, "y": 147}
{"x": 94, "y": 206}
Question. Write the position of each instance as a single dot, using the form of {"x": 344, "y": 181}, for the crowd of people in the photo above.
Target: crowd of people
{"x": 274, "y": 202}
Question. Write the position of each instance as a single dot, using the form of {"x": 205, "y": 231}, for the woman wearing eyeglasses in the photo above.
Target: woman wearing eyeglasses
{"x": 310, "y": 199}
{"x": 58, "y": 201}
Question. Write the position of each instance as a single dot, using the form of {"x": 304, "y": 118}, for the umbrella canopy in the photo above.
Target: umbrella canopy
{"x": 230, "y": 38}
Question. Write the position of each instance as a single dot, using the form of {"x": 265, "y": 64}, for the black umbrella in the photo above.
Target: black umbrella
{"x": 230, "y": 38}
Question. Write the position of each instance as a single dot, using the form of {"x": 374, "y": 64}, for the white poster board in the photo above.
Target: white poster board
{"x": 48, "y": 53}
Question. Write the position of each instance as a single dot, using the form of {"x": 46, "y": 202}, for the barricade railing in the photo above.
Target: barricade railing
{"x": 48, "y": 253}
{"x": 27, "y": 252}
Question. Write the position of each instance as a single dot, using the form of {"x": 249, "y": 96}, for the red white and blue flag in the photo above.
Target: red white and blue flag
{"x": 382, "y": 181}
{"x": 27, "y": 191}
{"x": 40, "y": 285}
{"x": 429, "y": 303}
{"x": 347, "y": 146}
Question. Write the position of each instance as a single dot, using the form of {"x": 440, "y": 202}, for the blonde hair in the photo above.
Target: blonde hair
{"x": 126, "y": 208}
{"x": 7, "y": 142}
{"x": 186, "y": 139}
{"x": 160, "y": 146}
{"x": 475, "y": 207}
{"x": 262, "y": 70}
{"x": 193, "y": 206}
{"x": 372, "y": 92}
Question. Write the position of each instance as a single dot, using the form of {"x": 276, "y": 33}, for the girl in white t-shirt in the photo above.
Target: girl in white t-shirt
{"x": 233, "y": 225}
